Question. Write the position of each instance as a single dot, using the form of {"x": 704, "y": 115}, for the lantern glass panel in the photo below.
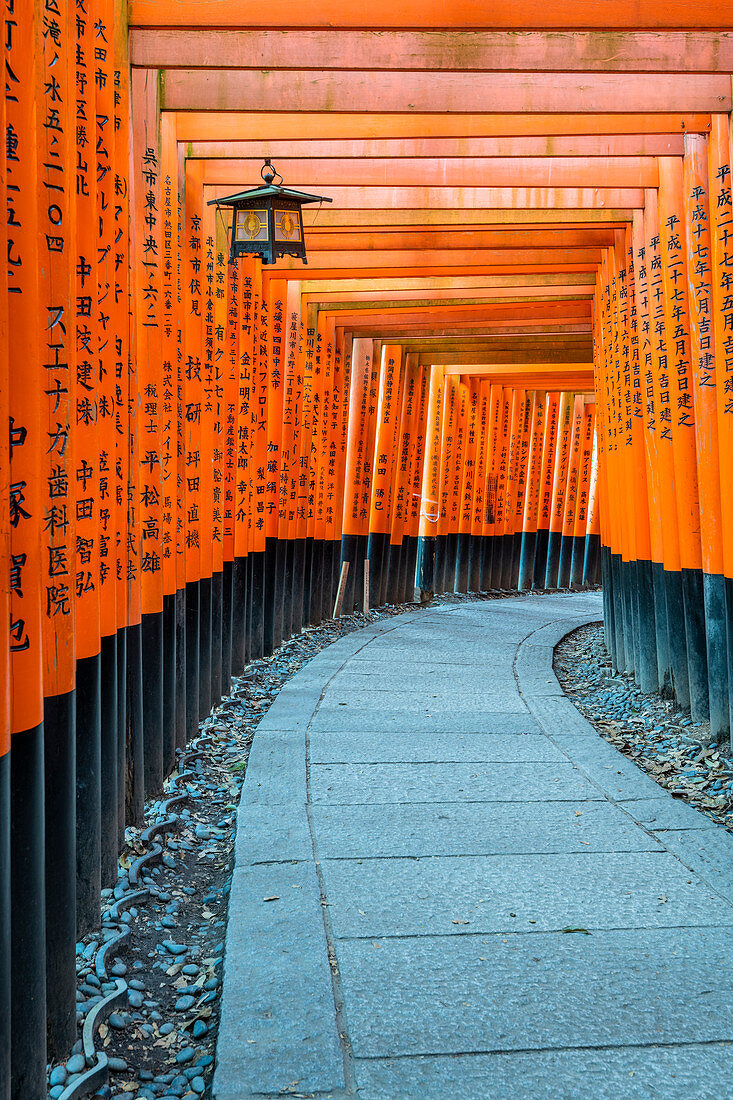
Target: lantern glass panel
{"x": 252, "y": 225}
{"x": 288, "y": 227}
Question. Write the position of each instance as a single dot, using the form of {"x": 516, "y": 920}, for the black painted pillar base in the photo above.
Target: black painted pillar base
{"x": 192, "y": 659}
{"x": 648, "y": 667}
{"x": 181, "y": 651}
{"x": 248, "y": 609}
{"x": 376, "y": 547}
{"x": 135, "y": 747}
{"x": 664, "y": 664}
{"x": 451, "y": 558}
{"x": 28, "y": 919}
{"x": 307, "y": 579}
{"x": 257, "y": 607}
{"x": 121, "y": 735}
{"x": 592, "y": 560}
{"x": 729, "y": 621}
{"x": 565, "y": 561}
{"x": 460, "y": 582}
{"x": 296, "y": 615}
{"x": 227, "y": 603}
{"x": 269, "y": 642}
{"x": 516, "y": 554}
{"x": 204, "y": 647}
{"x": 88, "y": 795}
{"x": 439, "y": 564}
{"x": 576, "y": 561}
{"x": 631, "y": 608}
{"x": 619, "y": 622}
{"x": 169, "y": 683}
{"x": 497, "y": 546}
{"x": 677, "y": 635}
{"x": 239, "y": 615}
{"x": 316, "y": 585}
{"x": 394, "y": 561}
{"x": 486, "y": 555}
{"x": 609, "y": 625}
{"x": 59, "y": 723}
{"x": 526, "y": 560}
{"x": 5, "y": 919}
{"x": 504, "y": 577}
{"x": 474, "y": 563}
{"x": 554, "y": 545}
{"x": 716, "y": 637}
{"x": 697, "y": 660}
{"x": 540, "y": 558}
{"x": 406, "y": 549}
{"x": 152, "y": 654}
{"x": 426, "y": 565}
{"x": 327, "y": 601}
{"x": 287, "y": 589}
{"x": 109, "y": 760}
{"x": 217, "y": 597}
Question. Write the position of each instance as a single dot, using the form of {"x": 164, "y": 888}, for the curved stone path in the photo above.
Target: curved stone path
{"x": 448, "y": 886}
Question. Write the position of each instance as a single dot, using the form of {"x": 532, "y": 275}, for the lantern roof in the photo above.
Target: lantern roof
{"x": 267, "y": 192}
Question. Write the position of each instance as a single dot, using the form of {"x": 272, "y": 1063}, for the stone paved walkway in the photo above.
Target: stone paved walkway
{"x": 448, "y": 886}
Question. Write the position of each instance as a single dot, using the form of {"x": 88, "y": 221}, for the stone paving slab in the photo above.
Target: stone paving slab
{"x": 536, "y": 991}
{"x": 622, "y": 1073}
{"x": 380, "y": 747}
{"x": 667, "y": 813}
{"x": 277, "y": 1024}
{"x": 276, "y": 768}
{"x": 464, "y": 685}
{"x": 469, "y": 894}
{"x": 459, "y": 785}
{"x": 480, "y": 828}
{"x": 465, "y": 710}
{"x": 536, "y": 782}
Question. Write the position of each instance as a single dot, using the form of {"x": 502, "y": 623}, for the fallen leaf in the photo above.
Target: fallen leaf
{"x": 274, "y": 897}
{"x": 583, "y": 930}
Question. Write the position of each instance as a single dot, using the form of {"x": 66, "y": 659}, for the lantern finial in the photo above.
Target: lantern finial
{"x": 269, "y": 173}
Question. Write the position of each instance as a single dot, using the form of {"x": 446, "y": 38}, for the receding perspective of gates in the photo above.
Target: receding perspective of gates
{"x": 508, "y": 365}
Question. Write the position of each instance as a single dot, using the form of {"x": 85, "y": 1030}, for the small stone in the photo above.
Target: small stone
{"x": 117, "y": 1065}
{"x": 119, "y": 970}
{"x": 198, "y": 1085}
{"x": 199, "y": 1029}
{"x": 55, "y": 1092}
{"x": 202, "y": 832}
{"x": 168, "y": 922}
{"x": 76, "y": 1063}
{"x": 184, "y": 1003}
{"x": 166, "y": 1029}
{"x": 117, "y": 1021}
{"x": 186, "y": 1055}
{"x": 135, "y": 983}
{"x": 135, "y": 998}
{"x": 175, "y": 948}
{"x": 58, "y": 1075}
{"x": 190, "y": 970}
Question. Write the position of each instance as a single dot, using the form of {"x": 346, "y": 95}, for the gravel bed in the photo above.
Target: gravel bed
{"x": 653, "y": 732}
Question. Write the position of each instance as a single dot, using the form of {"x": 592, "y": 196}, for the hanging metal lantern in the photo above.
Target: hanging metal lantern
{"x": 267, "y": 221}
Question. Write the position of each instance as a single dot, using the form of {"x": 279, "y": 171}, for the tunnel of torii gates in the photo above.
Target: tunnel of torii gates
{"x": 509, "y": 360}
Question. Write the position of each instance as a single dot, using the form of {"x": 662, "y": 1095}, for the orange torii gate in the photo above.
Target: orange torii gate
{"x": 506, "y": 362}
